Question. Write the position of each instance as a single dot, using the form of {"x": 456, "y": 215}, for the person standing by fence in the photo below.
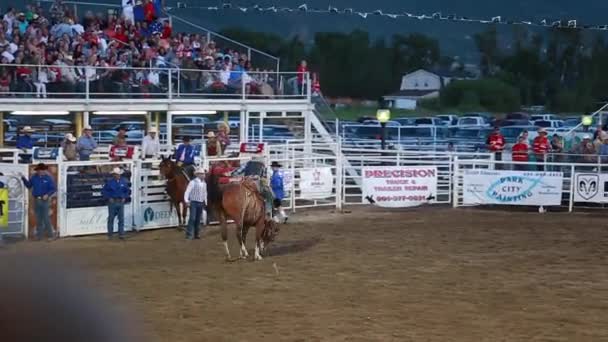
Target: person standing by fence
{"x": 520, "y": 154}
{"x": 43, "y": 188}
{"x": 150, "y": 147}
{"x": 195, "y": 197}
{"x": 25, "y": 142}
{"x": 278, "y": 190}
{"x": 116, "y": 191}
{"x": 541, "y": 146}
{"x": 496, "y": 144}
{"x": 86, "y": 145}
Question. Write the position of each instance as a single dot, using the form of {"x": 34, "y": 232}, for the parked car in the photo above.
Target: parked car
{"x": 131, "y": 125}
{"x": 428, "y": 121}
{"x": 472, "y": 121}
{"x": 518, "y": 116}
{"x": 405, "y": 121}
{"x": 190, "y": 120}
{"x": 10, "y": 125}
{"x": 470, "y": 138}
{"x": 549, "y": 123}
{"x": 537, "y": 117}
{"x": 271, "y": 133}
{"x": 513, "y": 122}
{"x": 512, "y": 132}
{"x": 572, "y": 122}
{"x": 377, "y": 123}
{"x": 448, "y": 119}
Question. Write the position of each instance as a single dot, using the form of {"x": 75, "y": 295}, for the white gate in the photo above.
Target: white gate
{"x": 82, "y": 208}
{"x": 153, "y": 209}
{"x": 17, "y": 199}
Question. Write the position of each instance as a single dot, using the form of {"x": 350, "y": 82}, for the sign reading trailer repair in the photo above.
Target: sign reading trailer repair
{"x": 399, "y": 186}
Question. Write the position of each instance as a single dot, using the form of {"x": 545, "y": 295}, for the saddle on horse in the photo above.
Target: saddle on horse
{"x": 261, "y": 189}
{"x": 188, "y": 171}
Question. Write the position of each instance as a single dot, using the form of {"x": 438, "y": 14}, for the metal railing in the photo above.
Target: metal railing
{"x": 88, "y": 82}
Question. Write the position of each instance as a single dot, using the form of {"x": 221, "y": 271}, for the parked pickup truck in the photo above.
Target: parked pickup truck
{"x": 472, "y": 121}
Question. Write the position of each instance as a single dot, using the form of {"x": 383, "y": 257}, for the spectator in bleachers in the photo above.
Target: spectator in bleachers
{"x": 25, "y": 140}
{"x": 86, "y": 145}
{"x": 223, "y": 136}
{"x": 585, "y": 151}
{"x": 520, "y": 153}
{"x": 120, "y": 136}
{"x": 541, "y": 147}
{"x": 302, "y": 70}
{"x": 557, "y": 148}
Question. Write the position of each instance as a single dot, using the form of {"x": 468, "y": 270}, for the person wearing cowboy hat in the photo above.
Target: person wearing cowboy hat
{"x": 256, "y": 170}
{"x": 69, "y": 147}
{"x": 540, "y": 147}
{"x": 184, "y": 156}
{"x": 278, "y": 190}
{"x": 116, "y": 191}
{"x": 214, "y": 148}
{"x": 25, "y": 142}
{"x": 122, "y": 134}
{"x": 86, "y": 145}
{"x": 43, "y": 188}
{"x": 223, "y": 135}
{"x": 150, "y": 146}
{"x": 195, "y": 197}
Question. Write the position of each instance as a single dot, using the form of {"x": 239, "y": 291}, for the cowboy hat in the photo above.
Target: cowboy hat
{"x": 199, "y": 171}
{"x": 153, "y": 130}
{"x": 41, "y": 166}
{"x": 586, "y": 137}
{"x": 117, "y": 171}
{"x": 210, "y": 134}
{"x": 27, "y": 129}
{"x": 88, "y": 128}
{"x": 70, "y": 137}
{"x": 275, "y": 164}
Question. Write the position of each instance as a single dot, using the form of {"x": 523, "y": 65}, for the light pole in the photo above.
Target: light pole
{"x": 383, "y": 115}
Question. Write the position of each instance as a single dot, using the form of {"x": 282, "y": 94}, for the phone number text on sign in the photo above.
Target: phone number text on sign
{"x": 399, "y": 186}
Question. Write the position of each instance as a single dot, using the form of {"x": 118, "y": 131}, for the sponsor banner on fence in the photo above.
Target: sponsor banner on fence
{"x": 317, "y": 183}
{"x": 591, "y": 187}
{"x": 399, "y": 186}
{"x": 155, "y": 215}
{"x": 512, "y": 187}
{"x": 3, "y": 208}
{"x": 94, "y": 220}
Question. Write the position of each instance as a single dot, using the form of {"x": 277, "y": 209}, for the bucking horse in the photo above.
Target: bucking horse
{"x": 242, "y": 202}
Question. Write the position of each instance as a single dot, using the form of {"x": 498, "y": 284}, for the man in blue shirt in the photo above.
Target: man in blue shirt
{"x": 25, "y": 142}
{"x": 86, "y": 145}
{"x": 43, "y": 187}
{"x": 116, "y": 191}
{"x": 184, "y": 156}
{"x": 278, "y": 190}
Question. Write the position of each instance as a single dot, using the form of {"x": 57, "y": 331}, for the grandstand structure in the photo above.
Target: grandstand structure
{"x": 156, "y": 90}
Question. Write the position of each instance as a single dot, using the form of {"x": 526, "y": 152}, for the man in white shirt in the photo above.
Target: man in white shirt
{"x": 150, "y": 147}
{"x": 195, "y": 198}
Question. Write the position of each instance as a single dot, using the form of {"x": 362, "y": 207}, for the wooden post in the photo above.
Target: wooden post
{"x": 1, "y": 129}
{"x": 157, "y": 121}
{"x": 78, "y": 124}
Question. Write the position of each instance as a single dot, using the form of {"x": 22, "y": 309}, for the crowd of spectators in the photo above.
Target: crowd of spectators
{"x": 62, "y": 51}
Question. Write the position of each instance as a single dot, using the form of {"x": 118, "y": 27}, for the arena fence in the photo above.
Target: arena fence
{"x": 14, "y": 213}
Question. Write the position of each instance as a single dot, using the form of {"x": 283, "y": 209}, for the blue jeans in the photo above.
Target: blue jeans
{"x": 85, "y": 156}
{"x": 43, "y": 218}
{"x": 116, "y": 209}
{"x": 194, "y": 221}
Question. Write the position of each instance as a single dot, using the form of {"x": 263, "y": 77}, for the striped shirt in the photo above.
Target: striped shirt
{"x": 196, "y": 191}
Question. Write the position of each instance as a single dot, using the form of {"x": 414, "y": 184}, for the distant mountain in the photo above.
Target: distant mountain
{"x": 455, "y": 38}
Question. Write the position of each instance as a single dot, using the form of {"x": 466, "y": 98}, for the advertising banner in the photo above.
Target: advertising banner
{"x": 3, "y": 208}
{"x": 317, "y": 183}
{"x": 399, "y": 186}
{"x": 591, "y": 187}
{"x": 512, "y": 187}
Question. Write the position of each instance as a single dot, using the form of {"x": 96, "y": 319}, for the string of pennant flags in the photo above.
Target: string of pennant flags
{"x": 304, "y": 8}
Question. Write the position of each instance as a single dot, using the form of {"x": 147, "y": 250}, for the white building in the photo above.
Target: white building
{"x": 420, "y": 84}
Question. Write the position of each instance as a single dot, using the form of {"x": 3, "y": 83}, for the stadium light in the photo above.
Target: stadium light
{"x": 192, "y": 112}
{"x": 587, "y": 120}
{"x": 121, "y": 112}
{"x": 383, "y": 115}
{"x": 40, "y": 112}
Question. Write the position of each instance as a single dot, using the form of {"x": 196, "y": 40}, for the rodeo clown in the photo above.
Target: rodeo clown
{"x": 256, "y": 169}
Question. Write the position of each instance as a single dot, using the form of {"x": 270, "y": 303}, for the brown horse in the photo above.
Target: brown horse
{"x": 243, "y": 203}
{"x": 176, "y": 187}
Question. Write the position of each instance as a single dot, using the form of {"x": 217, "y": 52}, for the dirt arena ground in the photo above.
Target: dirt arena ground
{"x": 431, "y": 274}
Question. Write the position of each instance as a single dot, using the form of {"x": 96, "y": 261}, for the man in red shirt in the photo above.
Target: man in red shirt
{"x": 496, "y": 144}
{"x": 541, "y": 147}
{"x": 520, "y": 154}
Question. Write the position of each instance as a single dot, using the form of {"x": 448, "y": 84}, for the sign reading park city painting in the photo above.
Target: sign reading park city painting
{"x": 317, "y": 183}
{"x": 399, "y": 186}
{"x": 512, "y": 187}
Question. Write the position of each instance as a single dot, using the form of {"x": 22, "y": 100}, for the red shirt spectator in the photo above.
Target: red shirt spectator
{"x": 541, "y": 144}
{"x": 167, "y": 31}
{"x": 496, "y": 141}
{"x": 520, "y": 151}
{"x": 149, "y": 13}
